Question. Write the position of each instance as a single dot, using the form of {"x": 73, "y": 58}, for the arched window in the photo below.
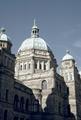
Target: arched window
{"x": 40, "y": 66}
{"x": 22, "y": 103}
{"x": 66, "y": 76}
{"x": 35, "y": 106}
{"x": 15, "y": 118}
{"x": 27, "y": 104}
{"x": 21, "y": 67}
{"x": 24, "y": 66}
{"x": 5, "y": 115}
{"x": 44, "y": 85}
{"x": 29, "y": 66}
{"x": 71, "y": 76}
{"x": 7, "y": 93}
{"x": 35, "y": 65}
{"x": 44, "y": 66}
{"x": 59, "y": 107}
{"x": 16, "y": 101}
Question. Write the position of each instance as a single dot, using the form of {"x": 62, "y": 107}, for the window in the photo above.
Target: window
{"x": 24, "y": 66}
{"x": 57, "y": 85}
{"x": 29, "y": 66}
{"x": 68, "y": 109}
{"x": 66, "y": 76}
{"x": 44, "y": 84}
{"x": 5, "y": 115}
{"x": 21, "y": 118}
{"x": 35, "y": 65}
{"x": 15, "y": 118}
{"x": 16, "y": 101}
{"x": 22, "y": 103}
{"x": 67, "y": 90}
{"x": 59, "y": 108}
{"x": 21, "y": 67}
{"x": 6, "y": 96}
{"x": 35, "y": 106}
{"x": 40, "y": 67}
{"x": 27, "y": 104}
{"x": 71, "y": 76}
{"x": 44, "y": 66}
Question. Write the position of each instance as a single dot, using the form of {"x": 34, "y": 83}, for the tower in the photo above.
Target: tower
{"x": 7, "y": 60}
{"x": 36, "y": 67}
{"x": 71, "y": 77}
{"x": 36, "y": 64}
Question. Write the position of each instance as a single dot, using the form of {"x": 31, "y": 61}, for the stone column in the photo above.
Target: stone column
{"x": 42, "y": 65}
{"x": 48, "y": 65}
{"x": 27, "y": 66}
{"x": 38, "y": 65}
{"x": 32, "y": 65}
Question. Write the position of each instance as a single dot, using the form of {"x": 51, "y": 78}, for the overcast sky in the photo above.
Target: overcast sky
{"x": 59, "y": 22}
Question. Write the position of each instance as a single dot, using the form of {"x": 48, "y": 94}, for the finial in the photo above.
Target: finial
{"x": 67, "y": 51}
{"x": 34, "y": 22}
{"x": 35, "y": 30}
{"x": 2, "y": 30}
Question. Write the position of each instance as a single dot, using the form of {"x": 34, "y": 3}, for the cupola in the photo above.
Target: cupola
{"x": 5, "y": 42}
{"x": 34, "y": 42}
{"x": 67, "y": 56}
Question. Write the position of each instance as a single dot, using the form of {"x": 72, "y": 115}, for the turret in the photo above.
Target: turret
{"x": 67, "y": 67}
{"x": 5, "y": 42}
{"x": 70, "y": 73}
{"x": 7, "y": 59}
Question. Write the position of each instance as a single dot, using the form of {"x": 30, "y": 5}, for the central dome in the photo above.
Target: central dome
{"x": 34, "y": 42}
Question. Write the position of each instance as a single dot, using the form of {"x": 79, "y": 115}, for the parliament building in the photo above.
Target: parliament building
{"x": 30, "y": 86}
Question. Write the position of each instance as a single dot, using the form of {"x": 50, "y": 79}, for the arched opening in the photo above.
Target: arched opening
{"x": 44, "y": 85}
{"x": 35, "y": 65}
{"x": 16, "y": 101}
{"x": 15, "y": 118}
{"x": 27, "y": 104}
{"x": 35, "y": 106}
{"x": 29, "y": 66}
{"x": 5, "y": 115}
{"x": 25, "y": 66}
{"x": 44, "y": 66}
{"x": 21, "y": 67}
{"x": 22, "y": 103}
{"x": 40, "y": 66}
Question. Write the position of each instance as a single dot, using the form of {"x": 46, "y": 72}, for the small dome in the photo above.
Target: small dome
{"x": 34, "y": 42}
{"x": 3, "y": 36}
{"x": 67, "y": 56}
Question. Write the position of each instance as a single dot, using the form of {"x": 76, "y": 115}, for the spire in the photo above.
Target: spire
{"x": 34, "y": 22}
{"x": 67, "y": 51}
{"x": 35, "y": 30}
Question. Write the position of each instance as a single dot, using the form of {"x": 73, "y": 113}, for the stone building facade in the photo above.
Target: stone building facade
{"x": 30, "y": 86}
